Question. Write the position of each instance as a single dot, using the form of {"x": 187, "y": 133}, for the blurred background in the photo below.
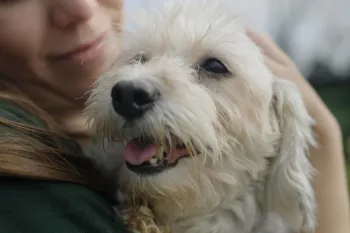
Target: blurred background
{"x": 314, "y": 33}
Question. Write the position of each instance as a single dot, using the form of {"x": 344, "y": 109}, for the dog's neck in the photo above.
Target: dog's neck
{"x": 226, "y": 208}
{"x": 228, "y": 189}
{"x": 218, "y": 189}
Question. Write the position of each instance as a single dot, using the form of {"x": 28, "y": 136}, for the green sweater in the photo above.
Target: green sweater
{"x": 34, "y": 206}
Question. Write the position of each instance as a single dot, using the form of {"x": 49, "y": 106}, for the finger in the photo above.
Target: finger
{"x": 268, "y": 46}
{"x": 276, "y": 68}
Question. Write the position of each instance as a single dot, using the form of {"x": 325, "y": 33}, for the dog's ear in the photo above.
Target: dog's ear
{"x": 289, "y": 190}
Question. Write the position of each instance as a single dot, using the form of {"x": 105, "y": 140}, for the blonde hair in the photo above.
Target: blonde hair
{"x": 25, "y": 154}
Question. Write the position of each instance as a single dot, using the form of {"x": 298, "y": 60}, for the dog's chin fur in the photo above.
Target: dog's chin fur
{"x": 252, "y": 129}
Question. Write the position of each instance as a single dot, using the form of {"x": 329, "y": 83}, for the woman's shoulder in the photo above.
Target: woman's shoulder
{"x": 46, "y": 206}
{"x": 32, "y": 199}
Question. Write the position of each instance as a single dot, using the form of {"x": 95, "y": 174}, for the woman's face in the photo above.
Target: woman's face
{"x": 63, "y": 43}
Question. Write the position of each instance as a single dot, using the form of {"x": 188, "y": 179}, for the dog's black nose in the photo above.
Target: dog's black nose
{"x": 132, "y": 99}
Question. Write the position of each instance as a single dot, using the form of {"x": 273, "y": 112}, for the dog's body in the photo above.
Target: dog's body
{"x": 191, "y": 86}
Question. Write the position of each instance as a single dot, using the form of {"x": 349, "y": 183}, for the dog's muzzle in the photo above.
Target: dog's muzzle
{"x": 132, "y": 100}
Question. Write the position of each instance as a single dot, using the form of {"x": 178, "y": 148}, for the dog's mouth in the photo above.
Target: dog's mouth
{"x": 145, "y": 157}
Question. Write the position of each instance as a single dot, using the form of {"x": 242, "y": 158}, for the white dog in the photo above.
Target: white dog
{"x": 215, "y": 142}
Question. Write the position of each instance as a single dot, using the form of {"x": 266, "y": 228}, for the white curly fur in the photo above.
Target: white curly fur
{"x": 252, "y": 129}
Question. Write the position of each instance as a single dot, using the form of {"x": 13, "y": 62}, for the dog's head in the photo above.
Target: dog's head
{"x": 195, "y": 105}
{"x": 189, "y": 85}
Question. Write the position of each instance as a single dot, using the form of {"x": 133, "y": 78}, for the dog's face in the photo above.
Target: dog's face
{"x": 191, "y": 98}
{"x": 187, "y": 89}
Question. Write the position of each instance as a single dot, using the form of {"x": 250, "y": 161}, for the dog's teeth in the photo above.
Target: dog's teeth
{"x": 159, "y": 154}
{"x": 153, "y": 161}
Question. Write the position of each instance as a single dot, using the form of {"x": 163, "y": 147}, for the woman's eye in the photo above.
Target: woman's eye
{"x": 215, "y": 66}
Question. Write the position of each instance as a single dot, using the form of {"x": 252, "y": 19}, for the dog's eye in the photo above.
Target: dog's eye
{"x": 214, "y": 65}
{"x": 140, "y": 58}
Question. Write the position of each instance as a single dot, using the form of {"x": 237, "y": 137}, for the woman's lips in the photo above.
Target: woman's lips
{"x": 83, "y": 53}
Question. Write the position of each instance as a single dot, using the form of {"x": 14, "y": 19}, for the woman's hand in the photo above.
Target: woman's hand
{"x": 282, "y": 66}
{"x": 328, "y": 158}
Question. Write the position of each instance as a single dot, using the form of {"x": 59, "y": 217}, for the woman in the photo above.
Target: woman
{"x": 50, "y": 54}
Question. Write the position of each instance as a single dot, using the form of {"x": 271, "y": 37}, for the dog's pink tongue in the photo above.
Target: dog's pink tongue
{"x": 136, "y": 154}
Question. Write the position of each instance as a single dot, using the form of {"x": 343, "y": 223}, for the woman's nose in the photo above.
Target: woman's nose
{"x": 67, "y": 13}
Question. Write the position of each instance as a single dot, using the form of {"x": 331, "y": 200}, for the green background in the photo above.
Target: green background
{"x": 337, "y": 98}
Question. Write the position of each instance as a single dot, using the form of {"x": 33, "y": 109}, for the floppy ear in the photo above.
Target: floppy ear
{"x": 289, "y": 191}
